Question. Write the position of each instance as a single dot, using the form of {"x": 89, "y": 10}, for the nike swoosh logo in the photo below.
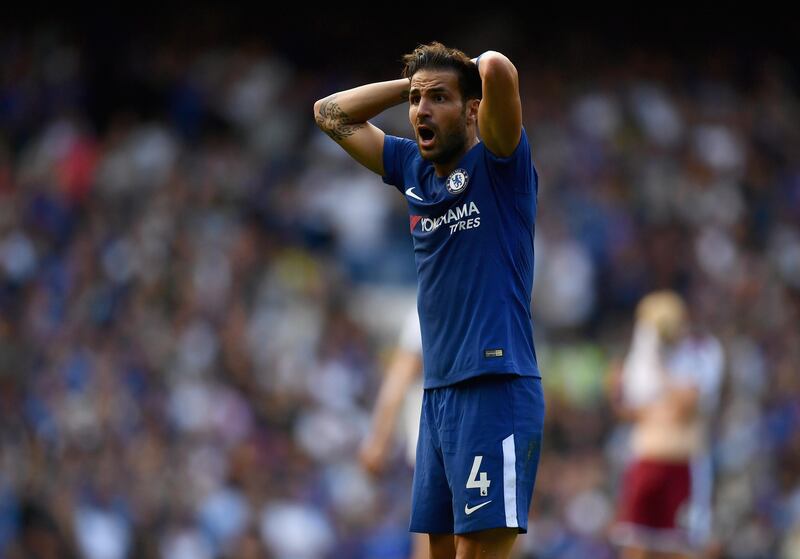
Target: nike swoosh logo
{"x": 410, "y": 192}
{"x": 469, "y": 511}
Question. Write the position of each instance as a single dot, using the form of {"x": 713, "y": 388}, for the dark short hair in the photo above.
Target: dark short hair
{"x": 436, "y": 56}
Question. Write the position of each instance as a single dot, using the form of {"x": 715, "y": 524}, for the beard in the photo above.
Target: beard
{"x": 451, "y": 144}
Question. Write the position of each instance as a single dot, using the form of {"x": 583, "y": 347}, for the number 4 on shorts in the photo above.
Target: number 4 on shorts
{"x": 478, "y": 479}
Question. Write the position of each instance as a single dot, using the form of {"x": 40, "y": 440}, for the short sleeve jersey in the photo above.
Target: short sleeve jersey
{"x": 473, "y": 246}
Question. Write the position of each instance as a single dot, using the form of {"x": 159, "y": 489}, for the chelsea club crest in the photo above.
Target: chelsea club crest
{"x": 457, "y": 181}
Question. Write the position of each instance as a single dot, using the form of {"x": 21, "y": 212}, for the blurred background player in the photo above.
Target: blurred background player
{"x": 669, "y": 386}
{"x": 401, "y": 390}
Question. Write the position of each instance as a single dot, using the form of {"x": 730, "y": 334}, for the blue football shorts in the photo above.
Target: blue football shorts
{"x": 477, "y": 455}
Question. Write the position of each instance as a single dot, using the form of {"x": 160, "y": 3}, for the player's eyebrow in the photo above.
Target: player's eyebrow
{"x": 435, "y": 89}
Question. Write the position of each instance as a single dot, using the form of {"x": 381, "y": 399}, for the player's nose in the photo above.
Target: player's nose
{"x": 423, "y": 108}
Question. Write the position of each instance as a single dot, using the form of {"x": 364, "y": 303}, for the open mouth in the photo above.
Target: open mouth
{"x": 426, "y": 135}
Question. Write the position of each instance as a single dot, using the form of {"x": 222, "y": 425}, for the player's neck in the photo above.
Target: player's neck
{"x": 444, "y": 169}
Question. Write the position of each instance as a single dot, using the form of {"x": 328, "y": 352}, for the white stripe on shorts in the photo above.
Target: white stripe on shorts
{"x": 510, "y": 481}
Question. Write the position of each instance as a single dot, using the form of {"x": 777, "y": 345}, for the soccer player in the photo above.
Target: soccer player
{"x": 669, "y": 384}
{"x": 472, "y": 203}
{"x": 401, "y": 390}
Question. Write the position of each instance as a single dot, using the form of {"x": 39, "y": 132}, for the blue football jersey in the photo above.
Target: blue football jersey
{"x": 473, "y": 245}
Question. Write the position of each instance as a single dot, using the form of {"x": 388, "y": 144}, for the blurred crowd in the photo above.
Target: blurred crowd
{"x": 198, "y": 296}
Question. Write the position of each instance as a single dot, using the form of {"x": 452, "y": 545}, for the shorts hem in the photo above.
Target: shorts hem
{"x": 472, "y": 530}
{"x": 420, "y": 530}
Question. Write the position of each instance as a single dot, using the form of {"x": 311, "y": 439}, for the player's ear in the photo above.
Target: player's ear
{"x": 472, "y": 109}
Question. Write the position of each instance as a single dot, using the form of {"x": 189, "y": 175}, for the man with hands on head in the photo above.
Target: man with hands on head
{"x": 472, "y": 205}
{"x": 667, "y": 388}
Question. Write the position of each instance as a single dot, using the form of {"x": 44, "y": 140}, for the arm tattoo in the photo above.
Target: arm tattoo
{"x": 335, "y": 122}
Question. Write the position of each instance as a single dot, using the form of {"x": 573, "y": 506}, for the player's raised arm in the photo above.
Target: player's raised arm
{"x": 500, "y": 111}
{"x": 343, "y": 116}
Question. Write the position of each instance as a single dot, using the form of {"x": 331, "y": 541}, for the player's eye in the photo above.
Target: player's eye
{"x": 439, "y": 98}
{"x": 413, "y": 99}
